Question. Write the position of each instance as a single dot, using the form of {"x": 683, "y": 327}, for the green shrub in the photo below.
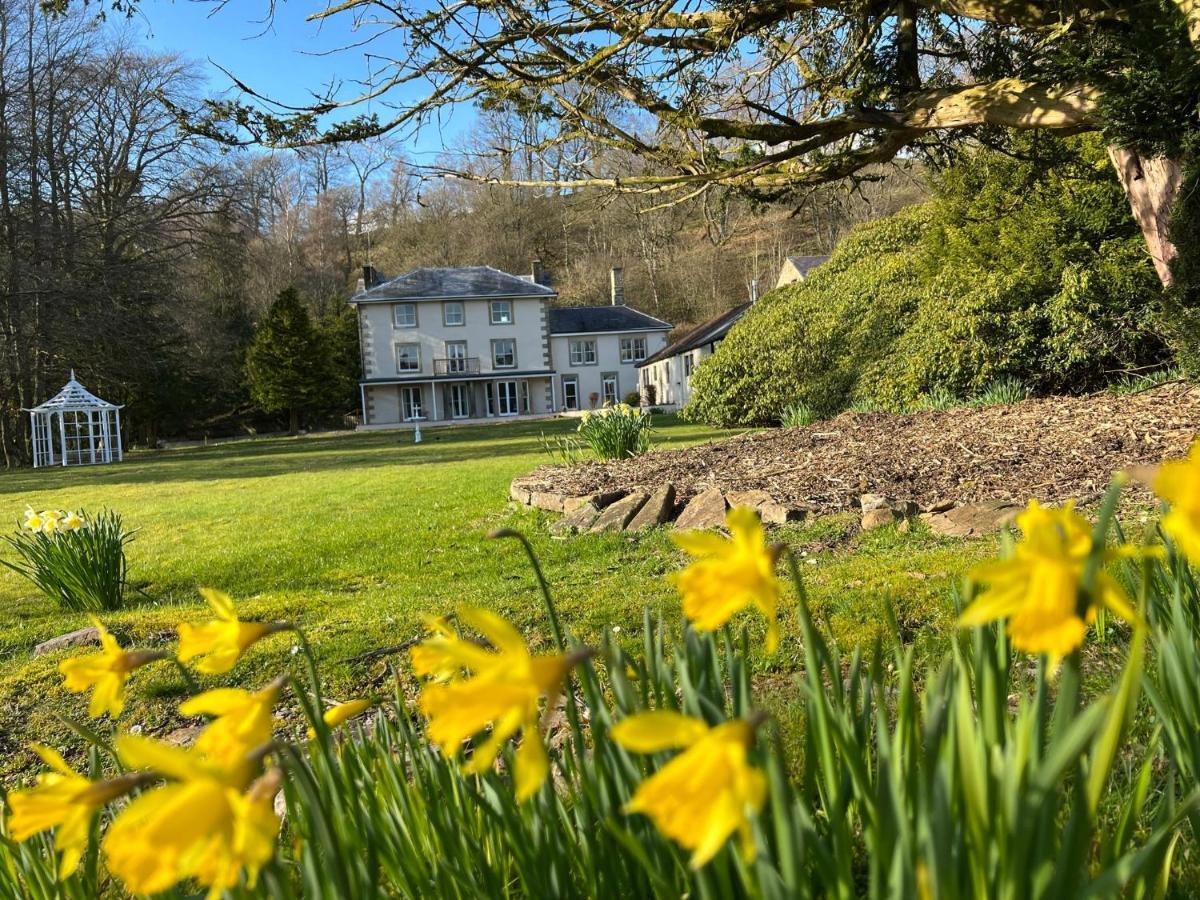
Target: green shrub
{"x": 76, "y": 560}
{"x": 634, "y": 399}
{"x": 1008, "y": 273}
{"x": 616, "y": 432}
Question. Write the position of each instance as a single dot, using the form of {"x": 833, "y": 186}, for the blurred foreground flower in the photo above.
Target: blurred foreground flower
{"x": 502, "y": 692}
{"x": 730, "y": 574}
{"x": 206, "y": 823}
{"x": 1179, "y": 484}
{"x": 220, "y": 643}
{"x": 106, "y": 672}
{"x": 339, "y": 715}
{"x": 1039, "y": 590}
{"x": 705, "y": 794}
{"x": 244, "y": 722}
{"x": 65, "y": 800}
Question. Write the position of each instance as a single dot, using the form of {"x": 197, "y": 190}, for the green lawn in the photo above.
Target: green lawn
{"x": 354, "y": 537}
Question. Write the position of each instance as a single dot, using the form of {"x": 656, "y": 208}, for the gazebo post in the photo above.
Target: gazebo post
{"x": 62, "y": 435}
{"x": 120, "y": 452}
{"x": 105, "y": 452}
{"x": 91, "y": 438}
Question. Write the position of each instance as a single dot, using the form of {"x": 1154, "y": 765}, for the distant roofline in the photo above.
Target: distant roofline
{"x": 362, "y": 298}
{"x": 702, "y": 334}
{"x": 379, "y": 293}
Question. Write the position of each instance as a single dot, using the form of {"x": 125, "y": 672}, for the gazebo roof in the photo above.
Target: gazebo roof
{"x": 73, "y": 397}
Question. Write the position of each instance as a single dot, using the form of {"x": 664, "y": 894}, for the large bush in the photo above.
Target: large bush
{"x": 1009, "y": 272}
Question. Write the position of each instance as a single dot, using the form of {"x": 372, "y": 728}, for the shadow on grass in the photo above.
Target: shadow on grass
{"x": 268, "y": 457}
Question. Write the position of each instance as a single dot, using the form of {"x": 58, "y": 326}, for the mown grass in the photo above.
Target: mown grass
{"x": 354, "y": 537}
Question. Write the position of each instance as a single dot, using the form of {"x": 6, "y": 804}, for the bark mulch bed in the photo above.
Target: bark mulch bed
{"x": 1051, "y": 449}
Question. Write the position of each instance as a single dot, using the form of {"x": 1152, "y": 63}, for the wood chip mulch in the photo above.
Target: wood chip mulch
{"x": 1052, "y": 449}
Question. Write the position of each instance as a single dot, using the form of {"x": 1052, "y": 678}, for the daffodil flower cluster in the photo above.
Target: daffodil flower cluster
{"x": 206, "y": 813}
{"x": 52, "y": 521}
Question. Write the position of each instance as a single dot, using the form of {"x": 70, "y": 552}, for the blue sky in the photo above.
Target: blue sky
{"x": 279, "y": 59}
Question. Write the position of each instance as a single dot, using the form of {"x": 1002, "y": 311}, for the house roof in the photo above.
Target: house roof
{"x": 803, "y": 264}
{"x": 593, "y": 319}
{"x": 704, "y": 333}
{"x": 462, "y": 283}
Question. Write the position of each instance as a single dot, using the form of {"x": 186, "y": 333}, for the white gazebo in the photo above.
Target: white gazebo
{"x": 76, "y": 428}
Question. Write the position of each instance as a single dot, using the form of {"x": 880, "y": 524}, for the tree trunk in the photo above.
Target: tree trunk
{"x": 1152, "y": 185}
{"x": 293, "y": 421}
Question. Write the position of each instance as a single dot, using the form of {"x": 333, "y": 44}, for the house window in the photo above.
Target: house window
{"x": 570, "y": 393}
{"x": 408, "y": 357}
{"x": 504, "y": 354}
{"x": 456, "y": 357}
{"x": 689, "y": 363}
{"x": 633, "y": 349}
{"x": 405, "y": 315}
{"x": 410, "y": 403}
{"x": 609, "y": 386}
{"x": 506, "y": 398}
{"x": 452, "y": 313}
{"x": 502, "y": 313}
{"x": 583, "y": 353}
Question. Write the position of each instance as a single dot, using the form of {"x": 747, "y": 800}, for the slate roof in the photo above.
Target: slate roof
{"x": 704, "y": 333}
{"x": 462, "y": 283}
{"x": 591, "y": 319}
{"x": 803, "y": 264}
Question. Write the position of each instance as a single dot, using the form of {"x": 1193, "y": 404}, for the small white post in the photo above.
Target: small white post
{"x": 91, "y": 438}
{"x": 62, "y": 435}
{"x": 120, "y": 452}
{"x": 416, "y": 432}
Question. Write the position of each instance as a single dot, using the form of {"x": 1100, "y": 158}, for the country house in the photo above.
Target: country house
{"x": 443, "y": 344}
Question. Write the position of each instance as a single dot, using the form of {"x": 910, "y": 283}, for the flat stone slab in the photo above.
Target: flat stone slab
{"x": 600, "y": 500}
{"x": 547, "y": 501}
{"x": 80, "y": 638}
{"x": 579, "y": 519}
{"x": 705, "y": 510}
{"x": 655, "y": 511}
{"x": 619, "y": 514}
{"x": 974, "y": 520}
{"x": 770, "y": 511}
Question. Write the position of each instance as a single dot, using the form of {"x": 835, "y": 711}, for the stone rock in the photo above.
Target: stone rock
{"x": 973, "y": 520}
{"x": 183, "y": 737}
{"x": 780, "y": 513}
{"x": 617, "y": 516}
{"x": 89, "y": 635}
{"x": 753, "y": 499}
{"x": 598, "y": 500}
{"x": 869, "y": 502}
{"x": 705, "y": 510}
{"x": 879, "y": 517}
{"x": 656, "y": 510}
{"x": 519, "y": 492}
{"x": 546, "y": 500}
{"x": 579, "y": 519}
{"x": 939, "y": 507}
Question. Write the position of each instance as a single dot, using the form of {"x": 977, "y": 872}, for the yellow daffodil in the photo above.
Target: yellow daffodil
{"x": 244, "y": 722}
{"x": 703, "y": 795}
{"x": 1179, "y": 484}
{"x": 1039, "y": 589}
{"x": 220, "y": 643}
{"x": 502, "y": 692}
{"x": 339, "y": 715}
{"x": 70, "y": 522}
{"x": 729, "y": 574}
{"x": 64, "y": 800}
{"x": 50, "y": 520}
{"x": 33, "y": 521}
{"x": 203, "y": 823}
{"x": 105, "y": 673}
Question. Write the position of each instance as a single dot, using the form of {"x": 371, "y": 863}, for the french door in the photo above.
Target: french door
{"x": 570, "y": 388}
{"x": 460, "y": 402}
{"x": 410, "y": 403}
{"x": 507, "y": 398}
{"x": 610, "y": 389}
{"x": 456, "y": 357}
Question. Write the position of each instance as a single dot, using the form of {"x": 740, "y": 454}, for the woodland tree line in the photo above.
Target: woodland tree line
{"x": 144, "y": 256}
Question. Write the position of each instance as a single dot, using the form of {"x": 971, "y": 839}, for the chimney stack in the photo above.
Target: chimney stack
{"x": 540, "y": 275}
{"x": 617, "y": 282}
{"x": 370, "y": 277}
{"x": 753, "y": 290}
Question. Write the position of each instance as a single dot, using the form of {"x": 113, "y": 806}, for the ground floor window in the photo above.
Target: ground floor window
{"x": 410, "y": 403}
{"x": 570, "y": 393}
{"x": 460, "y": 401}
{"x": 506, "y": 398}
{"x": 610, "y": 389}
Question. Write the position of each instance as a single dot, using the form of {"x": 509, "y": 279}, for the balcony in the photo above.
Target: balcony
{"x": 466, "y": 365}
